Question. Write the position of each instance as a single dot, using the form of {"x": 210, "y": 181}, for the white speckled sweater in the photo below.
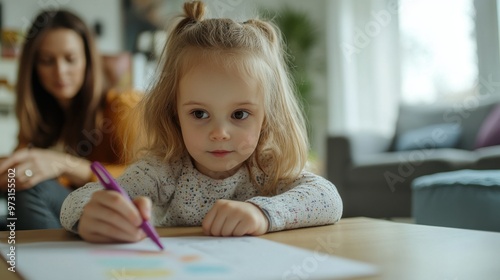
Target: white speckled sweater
{"x": 182, "y": 196}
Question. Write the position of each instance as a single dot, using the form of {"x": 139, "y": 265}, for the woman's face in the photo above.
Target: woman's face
{"x": 60, "y": 64}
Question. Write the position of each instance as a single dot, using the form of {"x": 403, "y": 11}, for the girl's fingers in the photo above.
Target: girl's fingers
{"x": 110, "y": 218}
{"x": 106, "y": 217}
{"x": 234, "y": 218}
{"x": 206, "y": 224}
{"x": 102, "y": 231}
{"x": 240, "y": 229}
{"x": 215, "y": 222}
{"x": 116, "y": 202}
{"x": 229, "y": 226}
{"x": 143, "y": 204}
{"x": 217, "y": 225}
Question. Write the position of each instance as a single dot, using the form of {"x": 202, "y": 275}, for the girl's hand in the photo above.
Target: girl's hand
{"x": 110, "y": 217}
{"x": 35, "y": 165}
{"x": 234, "y": 218}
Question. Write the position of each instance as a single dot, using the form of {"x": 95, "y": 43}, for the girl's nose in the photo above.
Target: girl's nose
{"x": 219, "y": 133}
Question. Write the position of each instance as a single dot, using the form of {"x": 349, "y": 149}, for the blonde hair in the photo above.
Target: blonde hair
{"x": 253, "y": 47}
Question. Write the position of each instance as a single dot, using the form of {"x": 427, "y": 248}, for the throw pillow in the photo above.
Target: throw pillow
{"x": 489, "y": 132}
{"x": 444, "y": 135}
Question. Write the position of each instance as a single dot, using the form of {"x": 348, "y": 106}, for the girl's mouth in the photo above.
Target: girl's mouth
{"x": 220, "y": 153}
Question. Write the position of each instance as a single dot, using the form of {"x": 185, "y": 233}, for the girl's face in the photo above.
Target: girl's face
{"x": 60, "y": 64}
{"x": 220, "y": 114}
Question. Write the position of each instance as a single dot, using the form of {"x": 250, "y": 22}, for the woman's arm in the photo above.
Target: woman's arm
{"x": 77, "y": 172}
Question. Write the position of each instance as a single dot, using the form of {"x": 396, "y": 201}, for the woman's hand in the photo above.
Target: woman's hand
{"x": 234, "y": 218}
{"x": 35, "y": 165}
{"x": 32, "y": 167}
{"x": 110, "y": 217}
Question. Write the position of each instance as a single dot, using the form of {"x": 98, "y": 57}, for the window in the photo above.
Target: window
{"x": 438, "y": 50}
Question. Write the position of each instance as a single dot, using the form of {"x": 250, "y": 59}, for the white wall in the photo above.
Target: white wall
{"x": 19, "y": 14}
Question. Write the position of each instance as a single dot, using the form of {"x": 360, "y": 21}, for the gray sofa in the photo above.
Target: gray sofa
{"x": 374, "y": 173}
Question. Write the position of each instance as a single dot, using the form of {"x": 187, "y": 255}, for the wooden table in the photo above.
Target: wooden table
{"x": 401, "y": 251}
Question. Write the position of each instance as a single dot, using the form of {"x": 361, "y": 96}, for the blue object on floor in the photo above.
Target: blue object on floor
{"x": 464, "y": 199}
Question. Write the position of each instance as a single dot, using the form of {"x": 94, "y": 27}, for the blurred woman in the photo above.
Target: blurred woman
{"x": 66, "y": 119}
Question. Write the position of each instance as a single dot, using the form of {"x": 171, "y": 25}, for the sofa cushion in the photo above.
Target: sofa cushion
{"x": 489, "y": 133}
{"x": 468, "y": 116}
{"x": 443, "y": 135}
{"x": 413, "y": 117}
{"x": 471, "y": 117}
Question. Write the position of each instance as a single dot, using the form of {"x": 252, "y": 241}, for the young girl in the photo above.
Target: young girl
{"x": 227, "y": 143}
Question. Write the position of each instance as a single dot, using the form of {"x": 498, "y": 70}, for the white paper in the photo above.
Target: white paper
{"x": 183, "y": 258}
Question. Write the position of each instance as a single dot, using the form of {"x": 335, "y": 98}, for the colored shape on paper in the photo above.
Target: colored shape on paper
{"x": 205, "y": 269}
{"x": 189, "y": 258}
{"x": 132, "y": 262}
{"x": 127, "y": 273}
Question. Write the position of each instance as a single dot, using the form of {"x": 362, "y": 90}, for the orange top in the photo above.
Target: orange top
{"x": 105, "y": 144}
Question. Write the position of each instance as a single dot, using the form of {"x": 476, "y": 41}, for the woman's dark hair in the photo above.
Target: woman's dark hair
{"x": 42, "y": 121}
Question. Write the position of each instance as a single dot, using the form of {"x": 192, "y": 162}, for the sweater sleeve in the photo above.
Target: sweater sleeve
{"x": 140, "y": 179}
{"x": 72, "y": 207}
{"x": 310, "y": 200}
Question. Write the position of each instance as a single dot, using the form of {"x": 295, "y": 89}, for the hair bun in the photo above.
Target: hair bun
{"x": 195, "y": 10}
{"x": 266, "y": 28}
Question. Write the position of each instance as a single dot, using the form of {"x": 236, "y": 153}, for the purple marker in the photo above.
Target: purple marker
{"x": 110, "y": 184}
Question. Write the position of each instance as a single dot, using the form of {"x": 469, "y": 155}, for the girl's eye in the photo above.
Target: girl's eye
{"x": 240, "y": 115}
{"x": 199, "y": 114}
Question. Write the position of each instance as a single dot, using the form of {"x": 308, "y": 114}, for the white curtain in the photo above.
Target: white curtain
{"x": 363, "y": 65}
{"x": 488, "y": 55}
